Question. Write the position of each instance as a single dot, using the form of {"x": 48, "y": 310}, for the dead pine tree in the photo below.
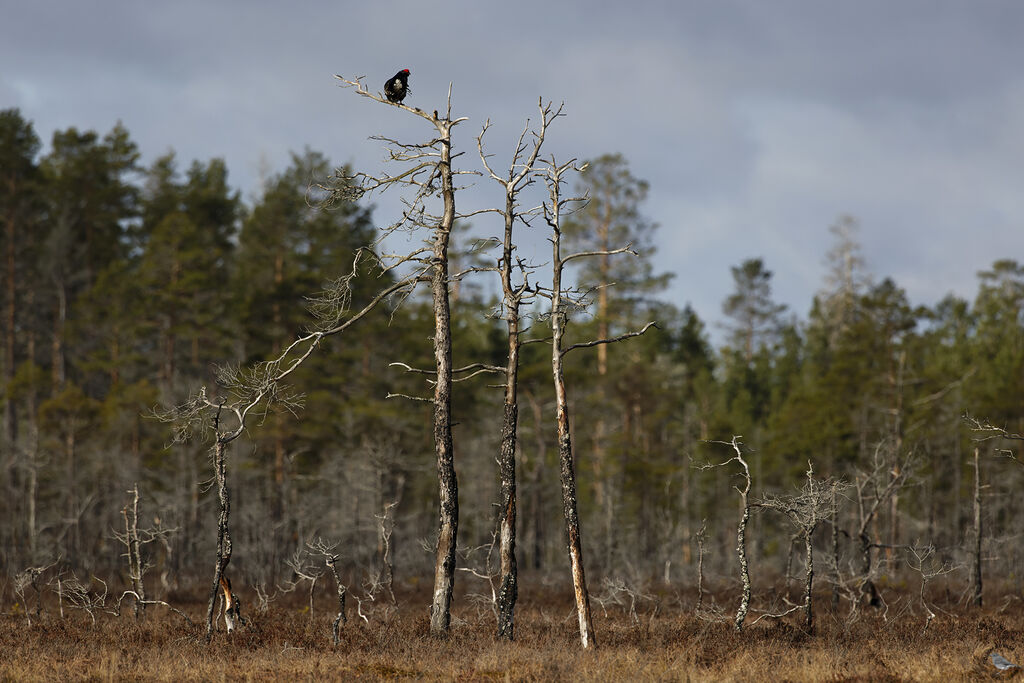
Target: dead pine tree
{"x": 256, "y": 391}
{"x": 514, "y": 294}
{"x": 806, "y": 509}
{"x": 429, "y": 175}
{"x": 562, "y": 300}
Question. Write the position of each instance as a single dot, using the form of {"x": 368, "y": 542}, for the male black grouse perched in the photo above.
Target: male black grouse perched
{"x": 397, "y": 86}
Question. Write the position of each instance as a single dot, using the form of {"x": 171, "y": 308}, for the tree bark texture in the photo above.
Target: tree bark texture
{"x": 131, "y": 529}
{"x": 448, "y": 487}
{"x": 808, "y": 579}
{"x": 223, "y": 532}
{"x": 341, "y": 618}
{"x": 741, "y": 552}
{"x": 509, "y": 589}
{"x": 565, "y": 455}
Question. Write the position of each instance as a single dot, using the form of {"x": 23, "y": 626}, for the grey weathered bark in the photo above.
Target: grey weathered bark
{"x": 508, "y": 591}
{"x": 808, "y": 579}
{"x": 741, "y": 527}
{"x": 700, "y": 565}
{"x": 976, "y": 550}
{"x": 448, "y": 485}
{"x": 741, "y": 554}
{"x": 561, "y": 301}
{"x": 131, "y": 530}
{"x": 512, "y": 299}
{"x": 741, "y": 534}
{"x": 223, "y": 532}
{"x": 565, "y": 454}
{"x": 432, "y": 162}
{"x": 341, "y": 618}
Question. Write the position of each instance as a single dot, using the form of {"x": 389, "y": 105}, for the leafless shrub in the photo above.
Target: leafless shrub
{"x": 29, "y": 578}
{"x": 79, "y": 595}
{"x": 626, "y": 596}
{"x": 479, "y": 562}
{"x": 812, "y": 504}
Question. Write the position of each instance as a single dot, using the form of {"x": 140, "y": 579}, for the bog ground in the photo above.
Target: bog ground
{"x": 663, "y": 641}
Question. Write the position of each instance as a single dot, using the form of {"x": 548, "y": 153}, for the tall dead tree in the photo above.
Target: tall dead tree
{"x": 430, "y": 174}
{"x": 562, "y": 300}
{"x": 519, "y": 176}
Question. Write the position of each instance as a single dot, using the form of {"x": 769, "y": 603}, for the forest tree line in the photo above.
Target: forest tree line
{"x": 128, "y": 287}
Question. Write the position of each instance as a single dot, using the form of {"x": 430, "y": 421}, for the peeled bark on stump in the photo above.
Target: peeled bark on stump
{"x": 223, "y": 533}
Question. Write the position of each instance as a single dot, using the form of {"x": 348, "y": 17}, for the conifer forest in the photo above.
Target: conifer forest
{"x": 352, "y": 395}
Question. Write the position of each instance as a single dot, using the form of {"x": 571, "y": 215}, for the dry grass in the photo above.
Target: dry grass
{"x": 664, "y": 645}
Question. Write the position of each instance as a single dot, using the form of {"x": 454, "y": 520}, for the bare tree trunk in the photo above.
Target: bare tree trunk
{"x": 332, "y": 564}
{"x": 131, "y": 534}
{"x": 512, "y": 298}
{"x": 223, "y": 534}
{"x": 808, "y": 579}
{"x": 448, "y": 486}
{"x": 741, "y": 553}
{"x": 572, "y": 524}
{"x": 977, "y": 597}
{"x": 565, "y": 454}
{"x": 700, "y": 565}
{"x": 508, "y": 592}
{"x": 509, "y": 589}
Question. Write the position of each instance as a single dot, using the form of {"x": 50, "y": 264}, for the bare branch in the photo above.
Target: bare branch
{"x": 612, "y": 340}
{"x": 599, "y": 252}
{"x": 411, "y": 398}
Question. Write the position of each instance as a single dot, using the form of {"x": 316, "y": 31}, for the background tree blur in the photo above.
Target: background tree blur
{"x": 124, "y": 287}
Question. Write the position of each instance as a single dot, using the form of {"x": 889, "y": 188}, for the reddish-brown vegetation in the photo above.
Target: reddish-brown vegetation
{"x": 666, "y": 642}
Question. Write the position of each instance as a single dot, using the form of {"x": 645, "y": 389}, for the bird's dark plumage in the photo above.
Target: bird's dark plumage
{"x": 397, "y": 87}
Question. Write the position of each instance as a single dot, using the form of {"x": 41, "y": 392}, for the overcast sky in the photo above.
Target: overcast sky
{"x": 756, "y": 122}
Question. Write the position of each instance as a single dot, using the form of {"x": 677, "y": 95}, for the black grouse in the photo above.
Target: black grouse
{"x": 397, "y": 87}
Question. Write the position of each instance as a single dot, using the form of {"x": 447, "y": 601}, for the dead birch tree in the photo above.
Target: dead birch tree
{"x": 741, "y": 527}
{"x": 562, "y": 300}
{"x": 131, "y": 540}
{"x": 520, "y": 175}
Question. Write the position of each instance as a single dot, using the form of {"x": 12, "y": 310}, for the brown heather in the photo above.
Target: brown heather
{"x": 669, "y": 644}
